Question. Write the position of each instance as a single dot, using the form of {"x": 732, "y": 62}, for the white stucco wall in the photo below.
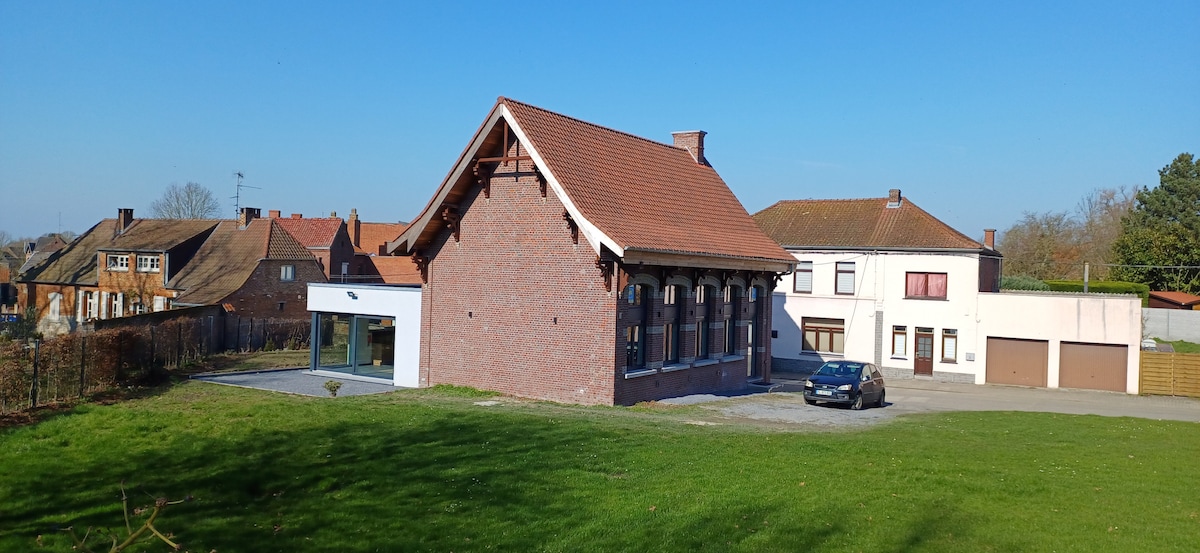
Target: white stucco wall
{"x": 1057, "y": 318}
{"x": 880, "y": 287}
{"x": 401, "y": 303}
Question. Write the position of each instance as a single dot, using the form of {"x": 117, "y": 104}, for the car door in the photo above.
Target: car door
{"x": 867, "y": 386}
{"x": 877, "y": 381}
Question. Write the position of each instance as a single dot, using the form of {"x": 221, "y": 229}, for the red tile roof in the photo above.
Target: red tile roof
{"x": 865, "y": 223}
{"x": 1179, "y": 298}
{"x": 312, "y": 232}
{"x": 641, "y": 194}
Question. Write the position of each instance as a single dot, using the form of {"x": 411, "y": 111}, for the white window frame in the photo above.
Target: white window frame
{"x": 842, "y": 268}
{"x": 950, "y": 335}
{"x": 55, "y": 305}
{"x": 287, "y": 273}
{"x": 118, "y": 262}
{"x": 899, "y": 341}
{"x": 803, "y": 284}
{"x": 148, "y": 264}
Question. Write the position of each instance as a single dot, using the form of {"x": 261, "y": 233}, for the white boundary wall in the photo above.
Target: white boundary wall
{"x": 1172, "y": 324}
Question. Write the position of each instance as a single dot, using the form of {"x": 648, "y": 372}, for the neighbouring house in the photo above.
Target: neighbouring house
{"x": 327, "y": 239}
{"x": 1173, "y": 300}
{"x": 566, "y": 261}
{"x": 373, "y": 263}
{"x": 881, "y": 280}
{"x": 128, "y": 266}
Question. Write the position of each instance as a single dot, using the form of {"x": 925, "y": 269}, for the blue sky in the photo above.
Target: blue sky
{"x": 977, "y": 111}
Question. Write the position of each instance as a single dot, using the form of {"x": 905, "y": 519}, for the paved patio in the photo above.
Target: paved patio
{"x": 295, "y": 381}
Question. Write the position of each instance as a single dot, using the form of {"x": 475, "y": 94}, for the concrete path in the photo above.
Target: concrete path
{"x": 294, "y": 381}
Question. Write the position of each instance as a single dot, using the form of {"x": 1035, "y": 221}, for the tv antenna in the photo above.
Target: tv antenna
{"x": 237, "y": 198}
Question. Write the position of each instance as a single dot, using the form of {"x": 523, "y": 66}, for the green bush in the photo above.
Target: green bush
{"x": 1022, "y": 282}
{"x": 1101, "y": 287}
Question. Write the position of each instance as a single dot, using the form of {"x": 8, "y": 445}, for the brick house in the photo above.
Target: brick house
{"x": 372, "y": 261}
{"x": 126, "y": 266}
{"x": 326, "y": 238}
{"x": 570, "y": 262}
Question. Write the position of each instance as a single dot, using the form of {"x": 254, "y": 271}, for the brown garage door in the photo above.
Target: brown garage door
{"x": 1019, "y": 362}
{"x": 1093, "y": 366}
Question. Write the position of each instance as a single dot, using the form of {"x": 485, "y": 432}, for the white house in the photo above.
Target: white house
{"x": 366, "y": 332}
{"x": 883, "y": 281}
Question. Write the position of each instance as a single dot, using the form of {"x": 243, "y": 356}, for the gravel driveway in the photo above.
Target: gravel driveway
{"x": 786, "y": 405}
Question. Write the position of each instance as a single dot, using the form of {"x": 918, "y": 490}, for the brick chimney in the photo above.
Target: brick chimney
{"x": 989, "y": 238}
{"x": 297, "y": 216}
{"x": 354, "y": 226}
{"x": 273, "y": 214}
{"x": 124, "y": 219}
{"x": 894, "y": 198}
{"x": 693, "y": 142}
{"x": 248, "y": 214}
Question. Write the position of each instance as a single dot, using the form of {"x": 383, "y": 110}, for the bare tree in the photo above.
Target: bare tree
{"x": 1055, "y": 245}
{"x": 190, "y": 201}
{"x": 1100, "y": 216}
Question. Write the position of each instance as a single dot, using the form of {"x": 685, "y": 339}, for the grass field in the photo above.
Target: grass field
{"x": 1181, "y": 346}
{"x": 428, "y": 470}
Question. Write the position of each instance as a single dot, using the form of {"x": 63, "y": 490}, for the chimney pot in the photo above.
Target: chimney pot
{"x": 248, "y": 214}
{"x": 894, "y": 198}
{"x": 989, "y": 238}
{"x": 274, "y": 214}
{"x": 693, "y": 142}
{"x": 124, "y": 219}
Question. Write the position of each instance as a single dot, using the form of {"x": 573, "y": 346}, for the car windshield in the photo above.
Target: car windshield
{"x": 840, "y": 368}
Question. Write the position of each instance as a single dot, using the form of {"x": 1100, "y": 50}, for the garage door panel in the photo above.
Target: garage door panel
{"x": 1017, "y": 362}
{"x": 1093, "y": 366}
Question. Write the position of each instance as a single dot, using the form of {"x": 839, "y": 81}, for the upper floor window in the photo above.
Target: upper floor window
{"x": 804, "y": 277}
{"x": 925, "y": 285}
{"x": 633, "y": 294}
{"x": 671, "y": 294}
{"x": 118, "y": 262}
{"x": 287, "y": 273}
{"x": 845, "y": 278}
{"x": 148, "y": 263}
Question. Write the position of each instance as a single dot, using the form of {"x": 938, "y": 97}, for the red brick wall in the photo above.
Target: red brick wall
{"x": 515, "y": 306}
{"x": 263, "y": 291}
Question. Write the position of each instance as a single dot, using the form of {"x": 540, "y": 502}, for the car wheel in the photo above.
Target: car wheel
{"x": 882, "y": 398}
{"x": 858, "y": 402}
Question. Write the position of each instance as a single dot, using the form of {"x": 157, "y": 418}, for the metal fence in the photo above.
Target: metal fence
{"x": 1170, "y": 374}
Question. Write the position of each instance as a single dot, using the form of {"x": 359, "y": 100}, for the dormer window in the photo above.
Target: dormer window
{"x": 146, "y": 263}
{"x": 118, "y": 262}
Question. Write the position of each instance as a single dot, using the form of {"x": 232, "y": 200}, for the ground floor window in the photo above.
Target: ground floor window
{"x": 899, "y": 340}
{"x": 824, "y": 335}
{"x": 356, "y": 344}
{"x": 949, "y": 345}
{"x": 701, "y": 338}
{"x": 635, "y": 356}
{"x": 730, "y": 337}
{"x": 671, "y": 343}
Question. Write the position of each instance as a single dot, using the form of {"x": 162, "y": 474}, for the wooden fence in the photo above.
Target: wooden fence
{"x": 1170, "y": 374}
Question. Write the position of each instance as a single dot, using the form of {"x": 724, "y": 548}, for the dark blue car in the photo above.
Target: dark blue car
{"x": 853, "y": 383}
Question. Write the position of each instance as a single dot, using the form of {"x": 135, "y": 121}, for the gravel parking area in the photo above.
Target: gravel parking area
{"x": 295, "y": 381}
{"x": 784, "y": 404}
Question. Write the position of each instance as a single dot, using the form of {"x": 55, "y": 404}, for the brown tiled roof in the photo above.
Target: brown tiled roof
{"x": 76, "y": 262}
{"x": 865, "y": 223}
{"x": 641, "y": 194}
{"x": 396, "y": 269}
{"x": 373, "y": 235}
{"x": 1180, "y": 298}
{"x": 229, "y": 257}
{"x": 312, "y": 232}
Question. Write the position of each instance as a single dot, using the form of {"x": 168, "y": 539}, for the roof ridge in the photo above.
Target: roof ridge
{"x": 504, "y": 99}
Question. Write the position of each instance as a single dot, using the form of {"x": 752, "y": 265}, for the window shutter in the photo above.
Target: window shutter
{"x": 804, "y": 280}
{"x": 845, "y": 283}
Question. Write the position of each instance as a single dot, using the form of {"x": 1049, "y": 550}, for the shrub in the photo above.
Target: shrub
{"x": 1101, "y": 287}
{"x": 1022, "y": 282}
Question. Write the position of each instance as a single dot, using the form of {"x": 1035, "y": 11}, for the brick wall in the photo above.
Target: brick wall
{"x": 262, "y": 293}
{"x": 514, "y": 305}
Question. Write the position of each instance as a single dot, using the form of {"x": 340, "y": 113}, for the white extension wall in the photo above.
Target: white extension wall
{"x": 401, "y": 303}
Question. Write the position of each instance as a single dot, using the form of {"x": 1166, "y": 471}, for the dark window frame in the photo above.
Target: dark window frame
{"x": 837, "y": 277}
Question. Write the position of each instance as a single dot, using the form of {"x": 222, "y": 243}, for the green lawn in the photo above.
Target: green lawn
{"x": 1181, "y": 346}
{"x": 428, "y": 470}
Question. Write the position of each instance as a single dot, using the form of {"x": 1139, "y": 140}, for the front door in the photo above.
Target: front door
{"x": 924, "y": 364}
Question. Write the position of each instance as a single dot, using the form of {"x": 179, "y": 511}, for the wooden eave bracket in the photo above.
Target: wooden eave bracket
{"x": 570, "y": 222}
{"x": 422, "y": 264}
{"x": 451, "y": 217}
{"x": 606, "y": 268}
